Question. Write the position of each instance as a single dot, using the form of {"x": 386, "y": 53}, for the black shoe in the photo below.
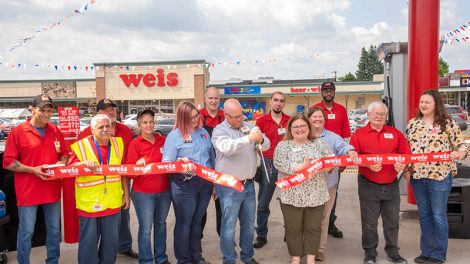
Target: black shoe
{"x": 370, "y": 260}
{"x": 334, "y": 231}
{"x": 252, "y": 261}
{"x": 165, "y": 262}
{"x": 421, "y": 259}
{"x": 260, "y": 242}
{"x": 397, "y": 259}
{"x": 130, "y": 253}
{"x": 434, "y": 261}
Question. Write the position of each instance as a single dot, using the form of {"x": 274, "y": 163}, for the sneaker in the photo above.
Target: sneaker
{"x": 434, "y": 261}
{"x": 397, "y": 259}
{"x": 130, "y": 253}
{"x": 320, "y": 256}
{"x": 334, "y": 231}
{"x": 260, "y": 242}
{"x": 370, "y": 260}
{"x": 421, "y": 259}
{"x": 252, "y": 261}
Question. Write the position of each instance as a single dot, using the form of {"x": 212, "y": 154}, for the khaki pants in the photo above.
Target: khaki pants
{"x": 326, "y": 218}
{"x": 303, "y": 228}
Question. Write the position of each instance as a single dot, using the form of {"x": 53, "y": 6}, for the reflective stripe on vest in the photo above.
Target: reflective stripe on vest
{"x": 98, "y": 182}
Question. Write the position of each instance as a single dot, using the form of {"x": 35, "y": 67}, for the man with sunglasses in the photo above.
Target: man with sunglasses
{"x": 336, "y": 121}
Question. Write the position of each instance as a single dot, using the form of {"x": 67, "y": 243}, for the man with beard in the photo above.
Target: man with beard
{"x": 336, "y": 121}
{"x": 273, "y": 125}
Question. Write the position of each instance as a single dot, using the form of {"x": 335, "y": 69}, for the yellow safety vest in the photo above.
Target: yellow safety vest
{"x": 98, "y": 193}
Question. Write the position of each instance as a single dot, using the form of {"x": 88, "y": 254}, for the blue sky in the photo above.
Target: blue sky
{"x": 281, "y": 39}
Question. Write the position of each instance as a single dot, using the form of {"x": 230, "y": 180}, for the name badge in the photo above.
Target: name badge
{"x": 161, "y": 150}
{"x": 97, "y": 207}
{"x": 245, "y": 129}
{"x": 296, "y": 149}
{"x": 281, "y": 131}
{"x": 57, "y": 146}
{"x": 388, "y": 135}
{"x": 331, "y": 116}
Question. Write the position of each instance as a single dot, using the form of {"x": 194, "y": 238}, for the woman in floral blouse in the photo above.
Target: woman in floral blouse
{"x": 433, "y": 131}
{"x": 302, "y": 205}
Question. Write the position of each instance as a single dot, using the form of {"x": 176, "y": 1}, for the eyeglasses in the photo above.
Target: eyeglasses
{"x": 299, "y": 127}
{"x": 375, "y": 114}
{"x": 196, "y": 116}
{"x": 238, "y": 117}
{"x": 326, "y": 91}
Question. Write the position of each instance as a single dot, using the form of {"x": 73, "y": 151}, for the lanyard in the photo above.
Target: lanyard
{"x": 101, "y": 158}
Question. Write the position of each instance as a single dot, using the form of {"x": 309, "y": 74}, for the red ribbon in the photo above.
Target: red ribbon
{"x": 153, "y": 168}
{"x": 344, "y": 161}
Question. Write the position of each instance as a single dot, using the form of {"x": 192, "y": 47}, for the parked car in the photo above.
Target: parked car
{"x": 458, "y": 114}
{"x": 163, "y": 126}
{"x": 131, "y": 122}
{"x": 5, "y": 126}
{"x": 357, "y": 119}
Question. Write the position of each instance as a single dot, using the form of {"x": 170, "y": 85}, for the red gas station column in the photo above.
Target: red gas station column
{"x": 423, "y": 55}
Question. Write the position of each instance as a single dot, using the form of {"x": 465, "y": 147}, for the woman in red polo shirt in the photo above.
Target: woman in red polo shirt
{"x": 150, "y": 193}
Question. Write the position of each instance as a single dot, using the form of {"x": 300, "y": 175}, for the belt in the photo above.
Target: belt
{"x": 247, "y": 181}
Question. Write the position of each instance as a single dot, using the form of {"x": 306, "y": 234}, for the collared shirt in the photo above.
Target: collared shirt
{"x": 336, "y": 119}
{"x": 24, "y": 144}
{"x": 199, "y": 150}
{"x": 274, "y": 132}
{"x": 142, "y": 148}
{"x": 388, "y": 140}
{"x": 339, "y": 148}
{"x": 313, "y": 192}
{"x": 235, "y": 155}
{"x": 427, "y": 140}
{"x": 209, "y": 122}
{"x": 120, "y": 130}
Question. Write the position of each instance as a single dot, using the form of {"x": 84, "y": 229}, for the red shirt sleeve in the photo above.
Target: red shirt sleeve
{"x": 85, "y": 133}
{"x": 403, "y": 147}
{"x": 132, "y": 153}
{"x": 11, "y": 148}
{"x": 346, "y": 130}
{"x": 353, "y": 141}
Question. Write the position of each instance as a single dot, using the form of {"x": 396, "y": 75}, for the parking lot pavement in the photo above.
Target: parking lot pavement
{"x": 346, "y": 250}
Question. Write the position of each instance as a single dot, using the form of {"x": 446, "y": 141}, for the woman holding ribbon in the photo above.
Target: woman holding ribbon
{"x": 150, "y": 192}
{"x": 190, "y": 194}
{"x": 302, "y": 205}
{"x": 340, "y": 148}
{"x": 433, "y": 130}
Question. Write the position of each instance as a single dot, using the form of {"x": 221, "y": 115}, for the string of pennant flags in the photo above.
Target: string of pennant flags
{"x": 459, "y": 35}
{"x": 24, "y": 41}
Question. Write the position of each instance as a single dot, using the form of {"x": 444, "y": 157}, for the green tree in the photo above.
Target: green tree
{"x": 369, "y": 64}
{"x": 443, "y": 67}
{"x": 349, "y": 77}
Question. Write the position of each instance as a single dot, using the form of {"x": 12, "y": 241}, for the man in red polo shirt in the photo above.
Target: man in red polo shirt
{"x": 273, "y": 125}
{"x": 378, "y": 188}
{"x": 108, "y": 107}
{"x": 29, "y": 148}
{"x": 336, "y": 121}
{"x": 211, "y": 116}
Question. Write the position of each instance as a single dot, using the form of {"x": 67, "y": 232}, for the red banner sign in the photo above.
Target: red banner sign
{"x": 344, "y": 161}
{"x": 153, "y": 168}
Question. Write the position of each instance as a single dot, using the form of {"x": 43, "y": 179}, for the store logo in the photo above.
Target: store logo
{"x": 150, "y": 79}
{"x": 465, "y": 81}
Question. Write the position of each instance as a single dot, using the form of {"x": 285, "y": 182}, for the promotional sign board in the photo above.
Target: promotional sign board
{"x": 69, "y": 119}
{"x": 253, "y": 109}
{"x": 243, "y": 90}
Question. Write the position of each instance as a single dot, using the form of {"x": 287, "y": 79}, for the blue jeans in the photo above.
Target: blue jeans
{"x": 431, "y": 198}
{"x": 102, "y": 230}
{"x": 190, "y": 200}
{"x": 27, "y": 218}
{"x": 152, "y": 211}
{"x": 241, "y": 205}
{"x": 125, "y": 236}
{"x": 265, "y": 194}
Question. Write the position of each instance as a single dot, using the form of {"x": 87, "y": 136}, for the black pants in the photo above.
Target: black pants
{"x": 218, "y": 215}
{"x": 379, "y": 200}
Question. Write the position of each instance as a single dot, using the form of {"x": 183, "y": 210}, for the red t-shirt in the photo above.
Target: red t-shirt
{"x": 336, "y": 119}
{"x": 121, "y": 130}
{"x": 141, "y": 148}
{"x": 25, "y": 144}
{"x": 274, "y": 132}
{"x": 104, "y": 150}
{"x": 388, "y": 140}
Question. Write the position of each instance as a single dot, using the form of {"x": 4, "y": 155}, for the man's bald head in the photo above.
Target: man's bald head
{"x": 233, "y": 112}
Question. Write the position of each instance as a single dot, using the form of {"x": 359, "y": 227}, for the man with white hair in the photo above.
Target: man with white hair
{"x": 99, "y": 197}
{"x": 378, "y": 188}
{"x": 235, "y": 146}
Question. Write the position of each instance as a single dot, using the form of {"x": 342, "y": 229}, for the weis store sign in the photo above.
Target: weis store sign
{"x": 159, "y": 79}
